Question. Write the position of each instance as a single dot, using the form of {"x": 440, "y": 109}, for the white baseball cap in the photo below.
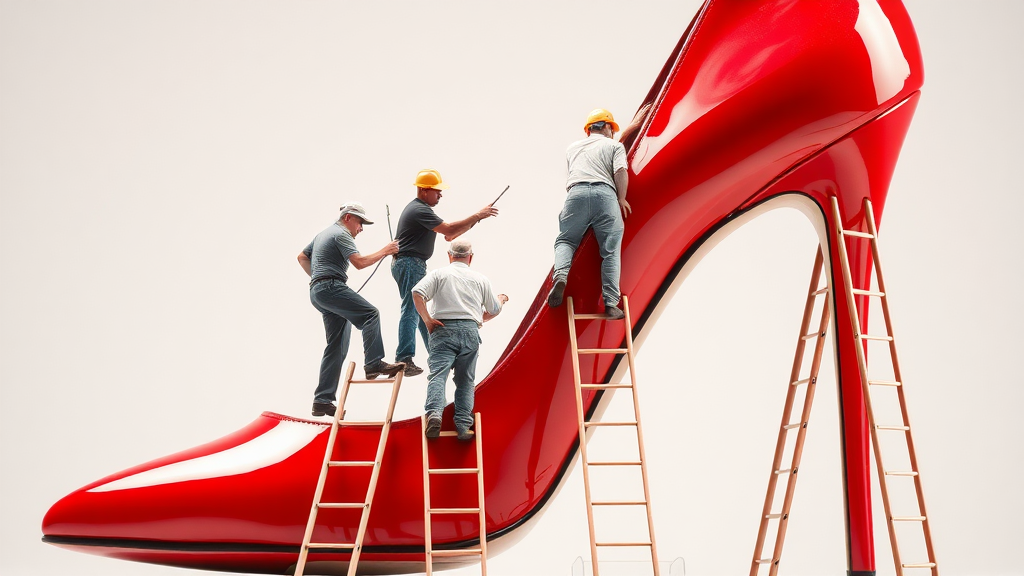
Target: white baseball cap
{"x": 357, "y": 209}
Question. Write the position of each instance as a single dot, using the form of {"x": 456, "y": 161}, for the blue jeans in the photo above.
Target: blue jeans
{"x": 342, "y": 308}
{"x": 407, "y": 271}
{"x": 591, "y": 205}
{"x": 454, "y": 345}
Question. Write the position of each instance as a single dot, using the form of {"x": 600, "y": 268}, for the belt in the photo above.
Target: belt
{"x": 325, "y": 278}
{"x": 589, "y": 184}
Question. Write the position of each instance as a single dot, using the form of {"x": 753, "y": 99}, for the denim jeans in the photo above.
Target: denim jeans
{"x": 342, "y": 308}
{"x": 407, "y": 271}
{"x": 594, "y": 206}
{"x": 454, "y": 345}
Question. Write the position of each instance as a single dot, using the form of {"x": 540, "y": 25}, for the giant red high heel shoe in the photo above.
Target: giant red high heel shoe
{"x": 762, "y": 103}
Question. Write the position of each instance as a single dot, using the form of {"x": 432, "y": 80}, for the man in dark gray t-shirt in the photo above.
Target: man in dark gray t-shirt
{"x": 418, "y": 226}
{"x": 326, "y": 261}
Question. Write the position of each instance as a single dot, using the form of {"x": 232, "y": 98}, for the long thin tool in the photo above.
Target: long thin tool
{"x": 500, "y": 195}
{"x": 390, "y": 235}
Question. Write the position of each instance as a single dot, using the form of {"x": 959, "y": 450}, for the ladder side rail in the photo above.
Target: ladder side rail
{"x": 311, "y": 522}
{"x": 900, "y": 390}
{"x": 640, "y": 434}
{"x": 480, "y": 495}
{"x": 581, "y": 420}
{"x": 798, "y": 446}
{"x": 371, "y": 489}
{"x": 862, "y": 366}
{"x": 787, "y": 410}
{"x": 426, "y": 498}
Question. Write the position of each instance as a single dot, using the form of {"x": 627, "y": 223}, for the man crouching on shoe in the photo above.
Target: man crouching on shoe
{"x": 462, "y": 301}
{"x": 326, "y": 261}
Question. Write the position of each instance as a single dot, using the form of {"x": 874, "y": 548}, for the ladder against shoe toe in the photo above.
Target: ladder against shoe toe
{"x": 328, "y": 464}
{"x": 585, "y": 426}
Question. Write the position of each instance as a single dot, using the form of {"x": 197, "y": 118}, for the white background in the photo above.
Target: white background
{"x": 162, "y": 163}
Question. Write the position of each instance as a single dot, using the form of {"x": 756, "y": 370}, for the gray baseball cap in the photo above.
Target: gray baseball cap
{"x": 357, "y": 209}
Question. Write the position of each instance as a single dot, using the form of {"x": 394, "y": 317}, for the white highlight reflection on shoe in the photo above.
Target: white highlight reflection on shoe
{"x": 889, "y": 68}
{"x": 267, "y": 449}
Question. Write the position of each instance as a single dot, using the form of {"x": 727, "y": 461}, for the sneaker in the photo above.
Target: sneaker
{"x": 324, "y": 409}
{"x": 411, "y": 369}
{"x": 433, "y": 426}
{"x": 465, "y": 435}
{"x": 382, "y": 367}
{"x": 614, "y": 313}
{"x": 555, "y": 296}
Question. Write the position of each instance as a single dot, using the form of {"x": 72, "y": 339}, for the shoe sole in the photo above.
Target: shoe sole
{"x": 557, "y": 292}
{"x": 413, "y": 371}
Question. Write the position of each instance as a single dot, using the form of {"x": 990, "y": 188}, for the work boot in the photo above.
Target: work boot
{"x": 433, "y": 426}
{"x": 411, "y": 369}
{"x": 555, "y": 296}
{"x": 465, "y": 435}
{"x": 381, "y": 367}
{"x": 614, "y": 313}
{"x": 324, "y": 409}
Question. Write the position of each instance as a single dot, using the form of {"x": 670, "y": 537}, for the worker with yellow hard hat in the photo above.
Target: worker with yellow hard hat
{"x": 596, "y": 199}
{"x": 418, "y": 227}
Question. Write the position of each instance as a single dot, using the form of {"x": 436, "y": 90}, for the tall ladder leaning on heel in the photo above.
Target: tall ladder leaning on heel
{"x": 364, "y": 506}
{"x": 429, "y": 511}
{"x": 584, "y": 426}
{"x": 868, "y": 384}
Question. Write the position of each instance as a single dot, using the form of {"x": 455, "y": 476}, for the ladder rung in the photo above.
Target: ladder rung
{"x": 620, "y": 503}
{"x": 453, "y": 470}
{"x": 449, "y": 434}
{"x": 920, "y": 565}
{"x": 799, "y": 382}
{"x": 810, "y": 336}
{"x": 363, "y": 422}
{"x": 856, "y": 234}
{"x": 764, "y": 561}
{"x": 330, "y": 545}
{"x": 468, "y": 552}
{"x": 342, "y": 505}
{"x": 908, "y": 518}
{"x": 881, "y": 427}
{"x": 590, "y": 424}
{"x": 792, "y": 426}
{"x": 454, "y": 510}
{"x": 616, "y": 463}
{"x": 820, "y": 291}
{"x": 604, "y": 386}
{"x": 601, "y": 351}
{"x": 883, "y": 383}
{"x": 870, "y": 337}
{"x": 773, "y": 516}
{"x": 352, "y": 463}
{"x": 901, "y": 473}
{"x": 383, "y": 381}
{"x": 622, "y": 543}
{"x": 859, "y": 292}
{"x": 592, "y": 317}
{"x": 784, "y": 471}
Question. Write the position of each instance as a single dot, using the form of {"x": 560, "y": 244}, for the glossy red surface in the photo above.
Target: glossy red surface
{"x": 761, "y": 98}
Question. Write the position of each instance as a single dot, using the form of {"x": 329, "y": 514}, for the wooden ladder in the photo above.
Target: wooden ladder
{"x": 796, "y": 380}
{"x": 385, "y": 426}
{"x": 584, "y": 426}
{"x": 429, "y": 511}
{"x": 896, "y": 384}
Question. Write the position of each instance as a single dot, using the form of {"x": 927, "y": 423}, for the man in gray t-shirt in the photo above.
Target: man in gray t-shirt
{"x": 326, "y": 261}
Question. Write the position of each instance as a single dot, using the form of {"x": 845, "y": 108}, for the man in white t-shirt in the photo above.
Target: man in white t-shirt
{"x": 462, "y": 300}
{"x": 596, "y": 199}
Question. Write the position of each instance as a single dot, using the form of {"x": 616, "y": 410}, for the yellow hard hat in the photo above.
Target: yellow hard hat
{"x": 430, "y": 179}
{"x": 600, "y": 115}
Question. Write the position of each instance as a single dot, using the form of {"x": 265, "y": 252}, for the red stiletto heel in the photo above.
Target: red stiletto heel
{"x": 761, "y": 104}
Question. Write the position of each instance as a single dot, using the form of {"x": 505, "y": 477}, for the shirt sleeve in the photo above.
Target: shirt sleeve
{"x": 491, "y": 304}
{"x": 308, "y": 250}
{"x": 426, "y": 217}
{"x": 346, "y": 245}
{"x": 618, "y": 157}
{"x": 427, "y": 286}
